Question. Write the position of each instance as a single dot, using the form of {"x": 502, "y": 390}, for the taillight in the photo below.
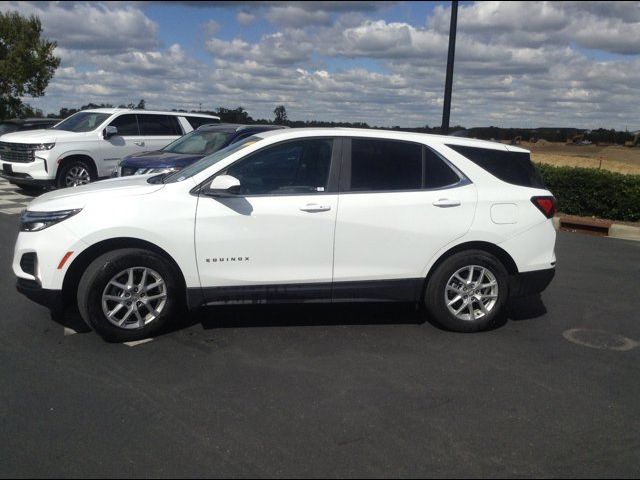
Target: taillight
{"x": 547, "y": 205}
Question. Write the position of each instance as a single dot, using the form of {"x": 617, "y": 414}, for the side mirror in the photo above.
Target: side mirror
{"x": 109, "y": 132}
{"x": 224, "y": 185}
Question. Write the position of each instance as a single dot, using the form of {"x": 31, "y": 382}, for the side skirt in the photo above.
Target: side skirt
{"x": 402, "y": 290}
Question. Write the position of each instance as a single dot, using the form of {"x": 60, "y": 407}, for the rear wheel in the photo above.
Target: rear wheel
{"x": 128, "y": 294}
{"x": 467, "y": 292}
{"x": 73, "y": 173}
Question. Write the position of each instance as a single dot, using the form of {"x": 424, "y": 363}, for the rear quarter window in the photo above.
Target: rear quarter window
{"x": 197, "y": 122}
{"x": 511, "y": 167}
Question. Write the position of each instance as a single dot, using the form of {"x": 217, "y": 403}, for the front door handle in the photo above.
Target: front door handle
{"x": 314, "y": 207}
{"x": 446, "y": 202}
{"x": 140, "y": 144}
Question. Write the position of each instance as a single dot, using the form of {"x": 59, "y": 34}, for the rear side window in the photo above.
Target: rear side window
{"x": 126, "y": 125}
{"x": 437, "y": 173}
{"x": 511, "y": 167}
{"x": 159, "y": 125}
{"x": 384, "y": 165}
{"x": 197, "y": 122}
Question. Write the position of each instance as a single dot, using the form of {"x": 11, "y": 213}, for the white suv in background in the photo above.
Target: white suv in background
{"x": 89, "y": 144}
{"x": 301, "y": 215}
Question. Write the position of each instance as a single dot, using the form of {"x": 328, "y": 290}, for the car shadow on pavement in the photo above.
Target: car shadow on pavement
{"x": 301, "y": 315}
{"x": 248, "y": 316}
{"x": 525, "y": 308}
{"x": 70, "y": 318}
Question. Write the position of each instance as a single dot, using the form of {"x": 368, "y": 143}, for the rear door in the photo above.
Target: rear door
{"x": 158, "y": 130}
{"x": 399, "y": 204}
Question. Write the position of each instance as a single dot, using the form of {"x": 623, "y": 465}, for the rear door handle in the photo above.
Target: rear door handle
{"x": 314, "y": 207}
{"x": 446, "y": 202}
{"x": 140, "y": 144}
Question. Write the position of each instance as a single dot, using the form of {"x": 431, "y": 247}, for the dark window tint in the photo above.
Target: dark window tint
{"x": 511, "y": 167}
{"x": 385, "y": 165}
{"x": 437, "y": 173}
{"x": 8, "y": 128}
{"x": 159, "y": 125}
{"x": 126, "y": 125}
{"x": 196, "y": 122}
{"x": 292, "y": 167}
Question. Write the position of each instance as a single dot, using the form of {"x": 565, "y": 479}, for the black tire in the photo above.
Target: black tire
{"x": 68, "y": 166}
{"x": 435, "y": 292}
{"x": 103, "y": 269}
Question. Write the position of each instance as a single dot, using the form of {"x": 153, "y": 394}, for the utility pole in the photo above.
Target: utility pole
{"x": 446, "y": 110}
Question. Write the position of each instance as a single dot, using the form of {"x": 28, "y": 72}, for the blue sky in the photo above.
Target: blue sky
{"x": 527, "y": 64}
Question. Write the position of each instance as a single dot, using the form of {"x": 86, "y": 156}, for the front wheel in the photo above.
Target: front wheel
{"x": 128, "y": 294}
{"x": 75, "y": 173}
{"x": 467, "y": 291}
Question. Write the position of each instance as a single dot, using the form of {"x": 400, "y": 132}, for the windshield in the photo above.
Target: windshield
{"x": 7, "y": 127}
{"x": 82, "y": 122}
{"x": 207, "y": 161}
{"x": 199, "y": 143}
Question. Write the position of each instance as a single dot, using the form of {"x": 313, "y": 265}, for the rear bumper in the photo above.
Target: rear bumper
{"x": 31, "y": 289}
{"x": 529, "y": 283}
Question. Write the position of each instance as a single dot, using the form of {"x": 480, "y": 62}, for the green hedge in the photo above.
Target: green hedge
{"x": 590, "y": 192}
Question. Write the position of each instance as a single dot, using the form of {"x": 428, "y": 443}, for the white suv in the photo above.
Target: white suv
{"x": 301, "y": 215}
{"x": 89, "y": 144}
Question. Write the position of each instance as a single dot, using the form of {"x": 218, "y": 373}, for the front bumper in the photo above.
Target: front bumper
{"x": 26, "y": 179}
{"x": 31, "y": 289}
{"x": 530, "y": 283}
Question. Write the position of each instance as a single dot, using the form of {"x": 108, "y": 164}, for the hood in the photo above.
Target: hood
{"x": 46, "y": 135}
{"x": 159, "y": 159}
{"x": 102, "y": 191}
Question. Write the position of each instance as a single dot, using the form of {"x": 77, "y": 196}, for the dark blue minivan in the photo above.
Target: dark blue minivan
{"x": 188, "y": 149}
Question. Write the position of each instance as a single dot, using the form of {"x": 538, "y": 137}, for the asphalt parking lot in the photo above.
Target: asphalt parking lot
{"x": 335, "y": 391}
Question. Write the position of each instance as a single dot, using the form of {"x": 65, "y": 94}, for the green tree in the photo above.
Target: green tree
{"x": 281, "y": 115}
{"x": 27, "y": 63}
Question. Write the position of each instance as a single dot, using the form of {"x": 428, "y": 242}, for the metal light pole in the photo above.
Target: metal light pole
{"x": 446, "y": 110}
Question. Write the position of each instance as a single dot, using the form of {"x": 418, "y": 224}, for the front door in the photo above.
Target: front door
{"x": 126, "y": 142}
{"x": 273, "y": 240}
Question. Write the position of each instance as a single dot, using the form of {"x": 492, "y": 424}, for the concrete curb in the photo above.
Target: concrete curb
{"x": 612, "y": 230}
{"x": 626, "y": 232}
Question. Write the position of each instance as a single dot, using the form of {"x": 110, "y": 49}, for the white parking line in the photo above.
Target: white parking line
{"x": 69, "y": 331}
{"x": 138, "y": 342}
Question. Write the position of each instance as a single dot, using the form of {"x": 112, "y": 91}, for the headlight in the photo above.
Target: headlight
{"x": 44, "y": 146}
{"x": 36, "y": 221}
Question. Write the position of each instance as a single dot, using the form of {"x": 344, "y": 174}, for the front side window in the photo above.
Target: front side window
{"x": 82, "y": 122}
{"x": 158, "y": 125}
{"x": 295, "y": 167}
{"x": 209, "y": 160}
{"x": 199, "y": 143}
{"x": 385, "y": 165}
{"x": 127, "y": 125}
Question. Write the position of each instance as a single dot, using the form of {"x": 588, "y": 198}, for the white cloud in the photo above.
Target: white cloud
{"x": 517, "y": 63}
{"x": 245, "y": 18}
{"x": 91, "y": 26}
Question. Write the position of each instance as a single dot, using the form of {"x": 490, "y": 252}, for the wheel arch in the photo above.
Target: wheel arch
{"x": 82, "y": 261}
{"x": 77, "y": 156}
{"x": 498, "y": 252}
